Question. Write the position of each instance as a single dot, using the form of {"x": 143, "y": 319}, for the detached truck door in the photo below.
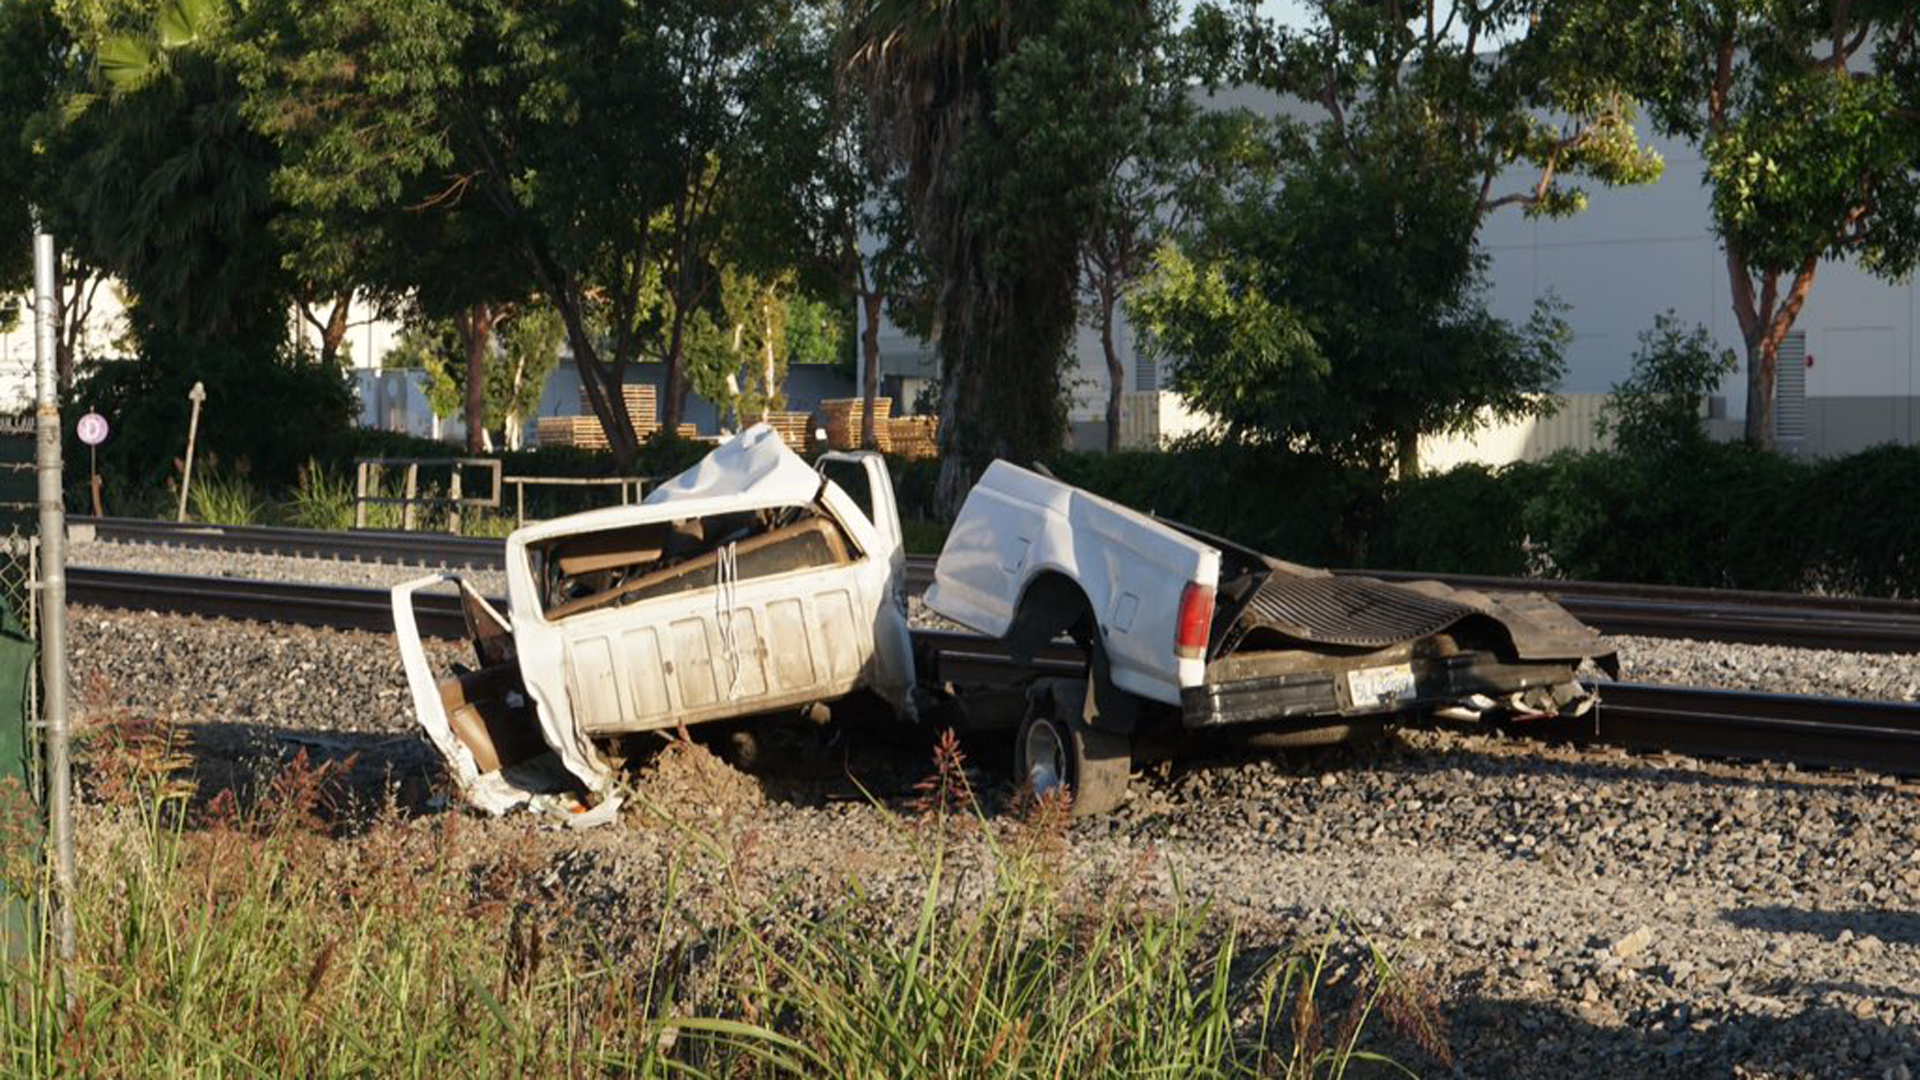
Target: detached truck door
{"x": 860, "y": 492}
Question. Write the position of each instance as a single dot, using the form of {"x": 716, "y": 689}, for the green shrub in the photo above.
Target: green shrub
{"x": 270, "y": 414}
{"x": 1859, "y": 516}
{"x": 1463, "y": 521}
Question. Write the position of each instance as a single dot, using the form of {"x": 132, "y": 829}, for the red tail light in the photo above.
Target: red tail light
{"x": 1196, "y": 619}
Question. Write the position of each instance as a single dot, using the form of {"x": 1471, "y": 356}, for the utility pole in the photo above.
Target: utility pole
{"x": 53, "y": 589}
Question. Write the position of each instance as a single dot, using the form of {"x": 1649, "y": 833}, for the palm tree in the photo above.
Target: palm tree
{"x": 1002, "y": 251}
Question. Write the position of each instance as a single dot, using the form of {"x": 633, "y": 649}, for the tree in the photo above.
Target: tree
{"x": 1470, "y": 92}
{"x": 1365, "y": 262}
{"x": 1340, "y": 314}
{"x": 523, "y": 347}
{"x": 1807, "y": 113}
{"x": 172, "y": 195}
{"x": 32, "y": 43}
{"x": 611, "y": 146}
{"x": 974, "y": 104}
{"x": 1164, "y": 159}
{"x": 1655, "y": 412}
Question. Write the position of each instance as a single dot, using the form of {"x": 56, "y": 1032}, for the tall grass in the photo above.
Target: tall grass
{"x": 224, "y": 496}
{"x": 322, "y": 499}
{"x": 244, "y": 937}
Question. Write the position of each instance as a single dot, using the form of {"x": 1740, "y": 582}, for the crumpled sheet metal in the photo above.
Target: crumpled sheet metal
{"x": 1366, "y": 612}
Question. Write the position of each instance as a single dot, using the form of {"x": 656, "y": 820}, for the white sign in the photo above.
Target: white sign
{"x": 92, "y": 429}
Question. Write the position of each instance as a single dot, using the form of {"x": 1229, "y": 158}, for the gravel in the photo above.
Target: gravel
{"x": 1774, "y": 668}
{"x": 159, "y": 559}
{"x": 1578, "y": 912}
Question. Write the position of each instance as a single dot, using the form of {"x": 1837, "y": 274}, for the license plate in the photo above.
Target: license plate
{"x": 1380, "y": 685}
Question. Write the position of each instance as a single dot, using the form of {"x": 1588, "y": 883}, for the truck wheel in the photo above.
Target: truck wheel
{"x": 1056, "y": 747}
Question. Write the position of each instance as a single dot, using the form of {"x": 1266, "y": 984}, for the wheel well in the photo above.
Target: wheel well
{"x": 1051, "y": 603}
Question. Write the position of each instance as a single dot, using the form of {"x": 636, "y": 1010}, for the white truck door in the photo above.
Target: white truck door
{"x": 860, "y": 480}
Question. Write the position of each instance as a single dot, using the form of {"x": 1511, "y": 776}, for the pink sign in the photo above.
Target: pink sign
{"x": 92, "y": 429}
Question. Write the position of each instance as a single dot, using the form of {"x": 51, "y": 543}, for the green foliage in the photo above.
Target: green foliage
{"x": 323, "y": 498}
{"x": 272, "y": 413}
{"x": 1808, "y": 118}
{"x": 31, "y": 42}
{"x": 172, "y": 190}
{"x": 223, "y": 496}
{"x": 1345, "y": 314}
{"x": 1467, "y": 520}
{"x": 1340, "y": 308}
{"x": 962, "y": 96}
{"x": 1657, "y": 409}
{"x": 1860, "y": 519}
{"x": 523, "y": 348}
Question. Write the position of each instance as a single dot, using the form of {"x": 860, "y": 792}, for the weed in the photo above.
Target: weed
{"x": 323, "y": 499}
{"x": 222, "y": 496}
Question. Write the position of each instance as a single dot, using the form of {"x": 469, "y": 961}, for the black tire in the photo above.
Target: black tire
{"x": 1057, "y": 747}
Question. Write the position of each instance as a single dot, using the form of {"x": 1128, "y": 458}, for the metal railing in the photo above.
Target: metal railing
{"x": 631, "y": 488}
{"x": 370, "y": 478}
{"x": 368, "y": 488}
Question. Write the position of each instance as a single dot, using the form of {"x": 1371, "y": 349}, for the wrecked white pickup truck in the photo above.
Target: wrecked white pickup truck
{"x": 1183, "y": 631}
{"x": 748, "y": 584}
{"x": 753, "y": 584}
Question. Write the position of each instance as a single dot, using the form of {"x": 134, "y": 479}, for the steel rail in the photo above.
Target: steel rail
{"x": 1878, "y": 735}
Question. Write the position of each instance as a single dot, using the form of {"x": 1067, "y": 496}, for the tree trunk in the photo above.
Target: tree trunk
{"x": 335, "y": 331}
{"x": 768, "y": 377}
{"x": 870, "y": 373}
{"x": 675, "y": 405}
{"x": 476, "y": 330}
{"x": 594, "y": 374}
{"x": 62, "y": 344}
{"x": 956, "y": 477}
{"x": 510, "y": 434}
{"x": 1406, "y": 454}
{"x": 1763, "y": 360}
{"x": 1764, "y": 322}
{"x": 1116, "y": 375}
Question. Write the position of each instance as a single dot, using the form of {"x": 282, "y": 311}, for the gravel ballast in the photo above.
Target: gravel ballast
{"x": 158, "y": 559}
{"x": 1580, "y": 912}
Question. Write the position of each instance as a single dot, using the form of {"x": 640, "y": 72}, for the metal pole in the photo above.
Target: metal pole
{"x": 53, "y": 593}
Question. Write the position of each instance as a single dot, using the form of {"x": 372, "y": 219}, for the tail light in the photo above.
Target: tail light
{"x": 1196, "y": 620}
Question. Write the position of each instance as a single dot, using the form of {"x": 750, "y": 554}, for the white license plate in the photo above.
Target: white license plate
{"x": 1380, "y": 685}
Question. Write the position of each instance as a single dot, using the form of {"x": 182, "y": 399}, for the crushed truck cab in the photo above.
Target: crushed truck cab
{"x": 749, "y": 584}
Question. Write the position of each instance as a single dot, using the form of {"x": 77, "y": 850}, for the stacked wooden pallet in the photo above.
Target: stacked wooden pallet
{"x": 581, "y": 431}
{"x": 587, "y": 433}
{"x": 793, "y": 427}
{"x": 642, "y": 407}
{"x": 845, "y": 415}
{"x": 914, "y": 436}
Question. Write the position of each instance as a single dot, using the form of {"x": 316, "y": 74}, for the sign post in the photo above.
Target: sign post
{"x": 53, "y": 591}
{"x": 196, "y": 395}
{"x": 92, "y": 430}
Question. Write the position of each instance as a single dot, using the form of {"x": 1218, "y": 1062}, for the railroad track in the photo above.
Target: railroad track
{"x": 1859, "y": 624}
{"x": 1837, "y": 732}
{"x": 358, "y": 545}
